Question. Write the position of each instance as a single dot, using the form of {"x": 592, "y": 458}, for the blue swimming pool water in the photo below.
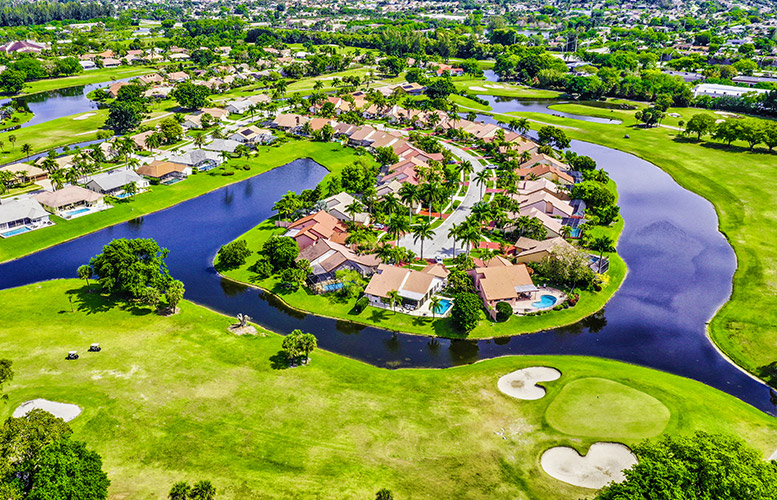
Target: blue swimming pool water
{"x": 443, "y": 306}
{"x": 71, "y": 213}
{"x": 14, "y": 232}
{"x": 331, "y": 287}
{"x": 122, "y": 195}
{"x": 170, "y": 182}
{"x": 545, "y": 302}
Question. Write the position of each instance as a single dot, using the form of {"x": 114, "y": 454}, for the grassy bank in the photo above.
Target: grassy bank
{"x": 335, "y": 307}
{"x": 85, "y": 78}
{"x": 739, "y": 183}
{"x": 332, "y": 156}
{"x": 179, "y": 398}
{"x": 483, "y": 87}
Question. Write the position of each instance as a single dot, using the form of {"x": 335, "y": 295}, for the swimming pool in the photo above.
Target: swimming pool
{"x": 122, "y": 195}
{"x": 172, "y": 181}
{"x": 71, "y": 213}
{"x": 443, "y": 306}
{"x": 14, "y": 232}
{"x": 545, "y": 302}
{"x": 331, "y": 287}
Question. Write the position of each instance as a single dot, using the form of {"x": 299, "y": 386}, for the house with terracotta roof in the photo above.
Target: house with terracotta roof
{"x": 320, "y": 225}
{"x": 499, "y": 280}
{"x": 22, "y": 47}
{"x": 327, "y": 257}
{"x": 546, "y": 203}
{"x": 71, "y": 201}
{"x": 362, "y": 136}
{"x": 252, "y": 135}
{"x": 414, "y": 287}
{"x": 527, "y": 187}
{"x": 544, "y": 171}
{"x": 290, "y": 122}
{"x": 113, "y": 89}
{"x": 31, "y": 172}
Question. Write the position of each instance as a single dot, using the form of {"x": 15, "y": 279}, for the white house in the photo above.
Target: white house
{"x": 16, "y": 214}
{"x": 112, "y": 183}
{"x": 715, "y": 90}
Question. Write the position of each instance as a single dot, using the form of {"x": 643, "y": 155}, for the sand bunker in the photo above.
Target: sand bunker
{"x": 774, "y": 455}
{"x": 65, "y": 411}
{"x": 603, "y": 464}
{"x": 522, "y": 384}
{"x": 84, "y": 117}
{"x": 478, "y": 88}
{"x": 493, "y": 86}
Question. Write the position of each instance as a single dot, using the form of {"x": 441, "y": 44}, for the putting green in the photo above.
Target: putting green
{"x": 596, "y": 407}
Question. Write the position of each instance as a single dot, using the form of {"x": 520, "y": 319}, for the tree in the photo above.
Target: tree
{"x": 582, "y": 163}
{"x": 702, "y": 466}
{"x": 649, "y": 116}
{"x": 233, "y": 254}
{"x": 307, "y": 343}
{"x": 593, "y": 193}
{"x": 700, "y": 124}
{"x": 12, "y": 81}
{"x": 171, "y": 130}
{"x": 422, "y": 231}
{"x": 281, "y": 251}
{"x": 6, "y": 373}
{"x": 482, "y": 178}
{"x": 503, "y": 311}
{"x": 174, "y": 294}
{"x": 727, "y": 131}
{"x": 202, "y": 490}
{"x": 190, "y": 95}
{"x": 384, "y": 494}
{"x": 566, "y": 266}
{"x": 440, "y": 88}
{"x": 553, "y": 136}
{"x": 179, "y": 491}
{"x": 409, "y": 195}
{"x": 465, "y": 312}
{"x": 434, "y": 303}
{"x": 392, "y": 299}
{"x": 67, "y": 469}
{"x": 129, "y": 266}
{"x": 12, "y": 140}
{"x": 602, "y": 244}
{"x": 124, "y": 116}
{"x": 386, "y": 156}
{"x": 84, "y": 273}
{"x": 751, "y": 131}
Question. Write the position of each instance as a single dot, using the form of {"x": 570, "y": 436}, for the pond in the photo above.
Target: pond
{"x": 511, "y": 104}
{"x": 680, "y": 270}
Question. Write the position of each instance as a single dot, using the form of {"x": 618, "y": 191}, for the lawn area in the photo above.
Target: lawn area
{"x": 331, "y": 155}
{"x": 52, "y": 134}
{"x": 179, "y": 398}
{"x": 502, "y": 89}
{"x": 331, "y": 306}
{"x": 87, "y": 77}
{"x": 739, "y": 183}
{"x": 468, "y": 103}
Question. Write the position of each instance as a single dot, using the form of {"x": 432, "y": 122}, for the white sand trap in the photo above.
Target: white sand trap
{"x": 494, "y": 86}
{"x": 522, "y": 384}
{"x": 84, "y": 117}
{"x": 603, "y": 464}
{"x": 65, "y": 411}
{"x": 774, "y": 455}
{"x": 478, "y": 88}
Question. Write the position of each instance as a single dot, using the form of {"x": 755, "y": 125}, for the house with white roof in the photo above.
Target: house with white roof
{"x": 112, "y": 183}
{"x": 19, "y": 215}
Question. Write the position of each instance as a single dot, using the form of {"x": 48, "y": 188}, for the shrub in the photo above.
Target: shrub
{"x": 503, "y": 311}
{"x": 465, "y": 312}
{"x": 361, "y": 305}
{"x": 234, "y": 254}
{"x": 262, "y": 267}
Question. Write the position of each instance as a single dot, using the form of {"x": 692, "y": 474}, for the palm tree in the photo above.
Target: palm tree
{"x": 12, "y": 140}
{"x": 57, "y": 179}
{"x": 393, "y": 299}
{"x": 525, "y": 156}
{"x": 566, "y": 232}
{"x": 49, "y": 164}
{"x": 398, "y": 226}
{"x": 454, "y": 233}
{"x": 153, "y": 141}
{"x": 466, "y": 168}
{"x": 386, "y": 253}
{"x": 470, "y": 233}
{"x": 481, "y": 212}
{"x": 2, "y": 146}
{"x": 390, "y": 205}
{"x": 434, "y": 303}
{"x": 482, "y": 178}
{"x": 602, "y": 244}
{"x": 354, "y": 208}
{"x": 199, "y": 139}
{"x": 408, "y": 193}
{"x": 26, "y": 150}
{"x": 422, "y": 231}
{"x": 430, "y": 192}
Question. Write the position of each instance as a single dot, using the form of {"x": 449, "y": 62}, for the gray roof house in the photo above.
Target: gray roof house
{"x": 114, "y": 181}
{"x": 18, "y": 212}
{"x": 222, "y": 145}
{"x": 199, "y": 159}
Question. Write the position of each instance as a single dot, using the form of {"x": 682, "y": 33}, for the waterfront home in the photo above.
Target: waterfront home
{"x": 337, "y": 205}
{"x": 29, "y": 172}
{"x": 414, "y": 287}
{"x": 113, "y": 89}
{"x": 326, "y": 257}
{"x": 112, "y": 183}
{"x": 546, "y": 203}
{"x": 18, "y": 215}
{"x": 222, "y": 145}
{"x": 198, "y": 159}
{"x": 528, "y": 250}
{"x": 545, "y": 171}
{"x": 70, "y": 201}
{"x": 552, "y": 225}
{"x": 527, "y": 187}
{"x": 498, "y": 280}
{"x": 165, "y": 171}
{"x": 317, "y": 226}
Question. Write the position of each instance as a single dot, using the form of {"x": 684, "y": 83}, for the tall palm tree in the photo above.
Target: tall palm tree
{"x": 470, "y": 234}
{"x": 354, "y": 208}
{"x": 409, "y": 195}
{"x": 602, "y": 244}
{"x": 27, "y": 150}
{"x": 482, "y": 178}
{"x": 390, "y": 205}
{"x": 422, "y": 231}
{"x": 199, "y": 139}
{"x": 57, "y": 179}
{"x": 466, "y": 168}
{"x": 393, "y": 299}
{"x": 434, "y": 303}
{"x": 481, "y": 212}
{"x": 398, "y": 226}
{"x": 454, "y": 233}
{"x": 566, "y": 232}
{"x": 50, "y": 165}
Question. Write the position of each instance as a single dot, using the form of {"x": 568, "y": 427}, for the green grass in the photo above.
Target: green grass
{"x": 332, "y": 306}
{"x": 332, "y": 156}
{"x": 468, "y": 103}
{"x": 179, "y": 398}
{"x": 739, "y": 183}
{"x": 626, "y": 413}
{"x": 507, "y": 89}
{"x": 87, "y": 77}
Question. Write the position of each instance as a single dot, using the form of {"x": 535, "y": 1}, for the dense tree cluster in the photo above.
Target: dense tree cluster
{"x": 41, "y": 12}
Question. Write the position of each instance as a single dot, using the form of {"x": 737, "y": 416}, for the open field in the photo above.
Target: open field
{"x": 330, "y": 155}
{"x": 329, "y": 305}
{"x": 484, "y": 87}
{"x": 739, "y": 183}
{"x": 179, "y": 398}
{"x": 87, "y": 77}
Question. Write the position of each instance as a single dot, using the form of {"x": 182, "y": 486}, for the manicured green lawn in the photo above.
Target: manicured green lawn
{"x": 468, "y": 103}
{"x": 484, "y": 87}
{"x": 179, "y": 398}
{"x": 331, "y": 155}
{"x": 87, "y": 77}
{"x": 740, "y": 184}
{"x": 329, "y": 305}
{"x": 600, "y": 407}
